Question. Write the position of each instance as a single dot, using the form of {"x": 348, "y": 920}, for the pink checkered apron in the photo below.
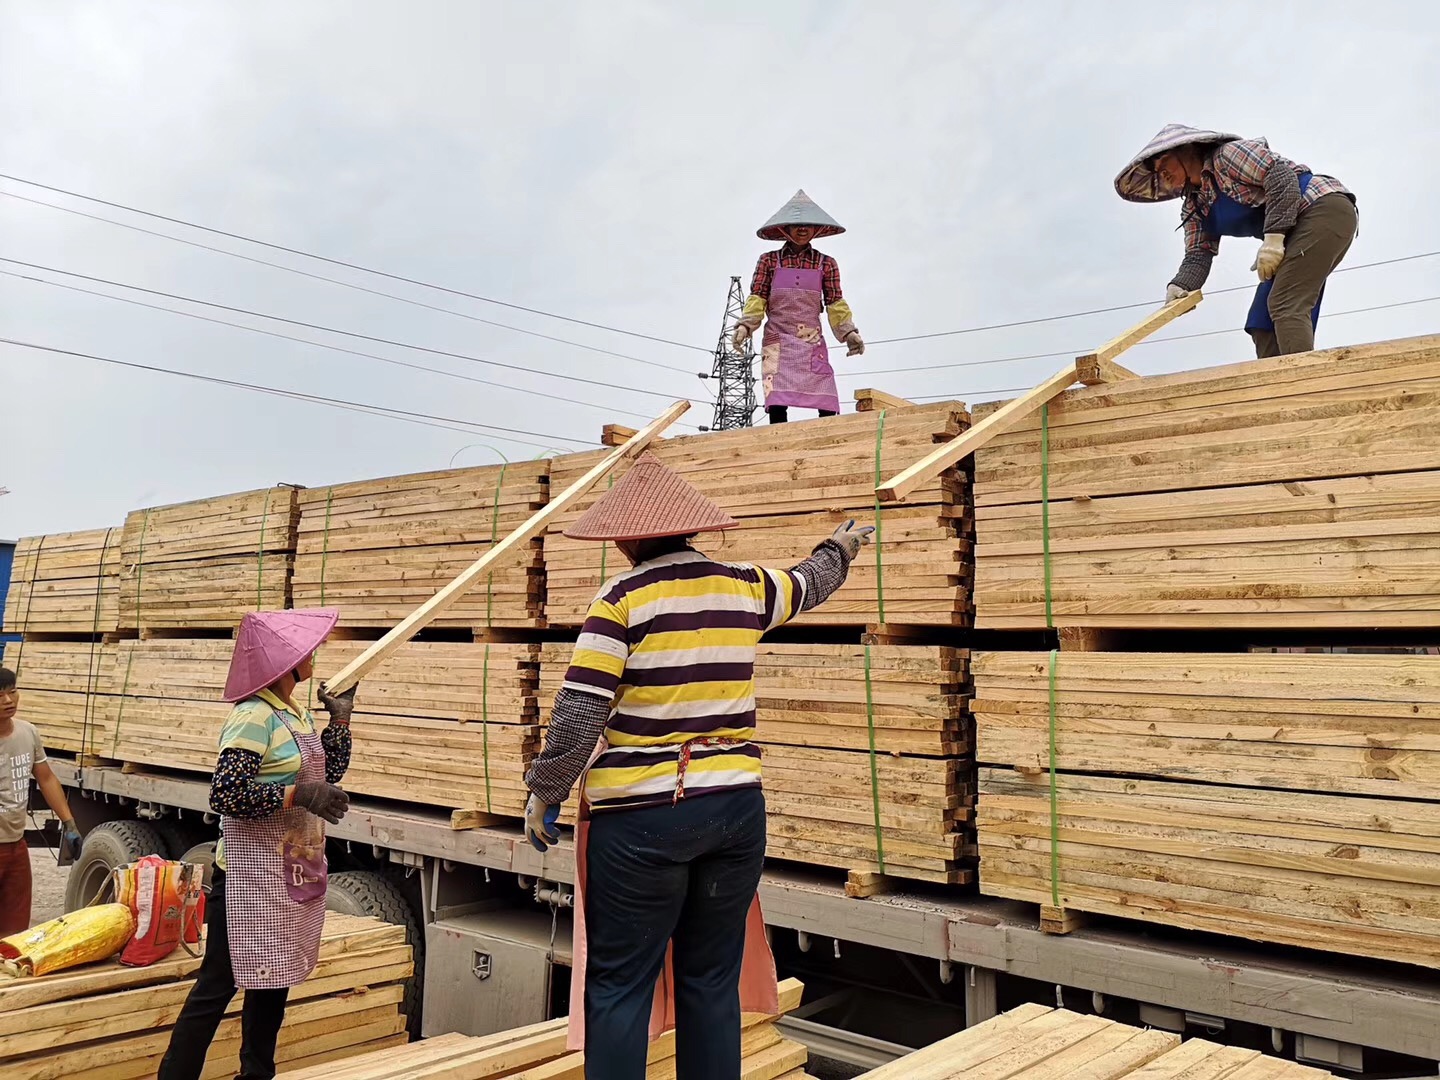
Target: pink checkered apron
{"x": 794, "y": 359}
{"x": 275, "y": 877}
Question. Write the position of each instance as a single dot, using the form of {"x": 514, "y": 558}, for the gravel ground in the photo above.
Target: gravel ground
{"x": 48, "y": 896}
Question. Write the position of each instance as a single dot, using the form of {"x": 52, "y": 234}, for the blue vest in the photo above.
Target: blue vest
{"x": 1230, "y": 218}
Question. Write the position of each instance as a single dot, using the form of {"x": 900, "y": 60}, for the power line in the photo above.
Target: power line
{"x": 346, "y": 284}
{"x": 317, "y": 344}
{"x": 347, "y": 265}
{"x": 427, "y": 419}
{"x": 1151, "y": 341}
{"x": 328, "y": 329}
{"x": 1148, "y": 341}
{"x": 1119, "y": 307}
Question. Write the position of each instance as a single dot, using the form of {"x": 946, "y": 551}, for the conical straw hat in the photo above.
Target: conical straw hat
{"x": 272, "y": 643}
{"x": 1138, "y": 181}
{"x": 649, "y": 502}
{"x": 800, "y": 210}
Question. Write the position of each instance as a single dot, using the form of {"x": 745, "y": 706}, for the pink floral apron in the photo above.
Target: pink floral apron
{"x": 794, "y": 359}
{"x": 759, "y": 985}
{"x": 275, "y": 879}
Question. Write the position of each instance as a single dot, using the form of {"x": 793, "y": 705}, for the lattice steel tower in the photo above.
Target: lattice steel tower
{"x": 733, "y": 372}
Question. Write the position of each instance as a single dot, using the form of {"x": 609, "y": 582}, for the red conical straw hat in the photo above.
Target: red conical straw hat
{"x": 649, "y": 502}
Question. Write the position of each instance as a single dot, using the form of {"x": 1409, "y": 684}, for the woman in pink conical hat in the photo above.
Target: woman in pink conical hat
{"x": 790, "y": 291}
{"x": 274, "y": 789}
{"x": 658, "y": 713}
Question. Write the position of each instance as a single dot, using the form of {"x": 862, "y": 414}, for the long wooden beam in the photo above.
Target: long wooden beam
{"x": 1162, "y": 316}
{"x": 871, "y": 400}
{"x": 1001, "y": 420}
{"x": 512, "y": 545}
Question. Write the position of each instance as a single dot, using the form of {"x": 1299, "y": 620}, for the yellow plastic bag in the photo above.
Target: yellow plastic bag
{"x": 82, "y": 937}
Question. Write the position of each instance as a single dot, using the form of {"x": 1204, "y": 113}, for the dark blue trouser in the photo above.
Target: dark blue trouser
{"x": 687, "y": 872}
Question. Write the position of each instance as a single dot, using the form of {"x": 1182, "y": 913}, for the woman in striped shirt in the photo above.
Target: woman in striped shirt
{"x": 659, "y": 703}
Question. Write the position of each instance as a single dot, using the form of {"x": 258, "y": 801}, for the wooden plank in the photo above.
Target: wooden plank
{"x": 871, "y": 400}
{"x": 1156, "y": 320}
{"x": 1091, "y": 371}
{"x": 436, "y": 605}
{"x": 942, "y": 458}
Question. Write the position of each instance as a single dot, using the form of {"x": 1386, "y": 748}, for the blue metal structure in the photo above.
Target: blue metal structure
{"x": 7, "y": 559}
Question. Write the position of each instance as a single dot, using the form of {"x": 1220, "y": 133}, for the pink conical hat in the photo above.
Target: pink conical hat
{"x": 272, "y": 643}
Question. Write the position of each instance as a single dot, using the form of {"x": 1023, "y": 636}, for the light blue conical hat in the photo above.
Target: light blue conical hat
{"x": 1138, "y": 181}
{"x": 800, "y": 210}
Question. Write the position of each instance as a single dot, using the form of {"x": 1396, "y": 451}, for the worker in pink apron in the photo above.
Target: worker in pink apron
{"x": 658, "y": 712}
{"x": 1229, "y": 186}
{"x": 274, "y": 789}
{"x": 791, "y": 289}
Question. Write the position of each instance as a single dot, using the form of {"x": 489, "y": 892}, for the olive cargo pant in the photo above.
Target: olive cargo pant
{"x": 1314, "y": 248}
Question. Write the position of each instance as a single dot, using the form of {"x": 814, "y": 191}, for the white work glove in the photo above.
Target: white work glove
{"x": 742, "y": 335}
{"x": 856, "y": 343}
{"x": 540, "y": 823}
{"x": 1174, "y": 292}
{"x": 852, "y": 539}
{"x": 1272, "y": 253}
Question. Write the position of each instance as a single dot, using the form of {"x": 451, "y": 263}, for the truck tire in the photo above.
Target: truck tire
{"x": 363, "y": 892}
{"x": 204, "y": 854}
{"x": 107, "y": 846}
{"x": 182, "y": 835}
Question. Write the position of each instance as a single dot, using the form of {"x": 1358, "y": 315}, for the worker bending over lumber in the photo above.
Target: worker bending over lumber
{"x": 658, "y": 713}
{"x": 22, "y": 756}
{"x": 788, "y": 292}
{"x": 1229, "y": 186}
{"x": 274, "y": 788}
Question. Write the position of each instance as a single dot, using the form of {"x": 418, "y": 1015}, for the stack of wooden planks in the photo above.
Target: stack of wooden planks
{"x": 1286, "y": 797}
{"x": 790, "y": 486}
{"x": 204, "y": 564}
{"x": 60, "y": 683}
{"x": 1301, "y": 491}
{"x": 65, "y": 583}
{"x": 813, "y": 722}
{"x": 538, "y": 1053}
{"x": 1035, "y": 1042}
{"x": 108, "y": 1022}
{"x": 378, "y": 549}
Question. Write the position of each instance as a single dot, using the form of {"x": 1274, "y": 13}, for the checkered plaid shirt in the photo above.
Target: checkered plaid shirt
{"x": 1249, "y": 172}
{"x": 797, "y": 258}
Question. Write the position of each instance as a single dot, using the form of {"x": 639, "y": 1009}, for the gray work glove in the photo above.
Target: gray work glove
{"x": 69, "y": 840}
{"x": 851, "y": 539}
{"x": 540, "y": 819}
{"x": 339, "y": 706}
{"x": 1174, "y": 292}
{"x": 742, "y": 335}
{"x": 321, "y": 799}
{"x": 855, "y": 342}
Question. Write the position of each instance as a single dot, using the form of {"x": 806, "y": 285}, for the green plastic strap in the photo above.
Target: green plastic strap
{"x": 1045, "y": 507}
{"x": 91, "y": 672}
{"x": 874, "y": 764}
{"x": 30, "y": 601}
{"x": 605, "y": 544}
{"x": 1054, "y": 797}
{"x": 130, "y": 660}
{"x": 489, "y": 618}
{"x": 324, "y": 561}
{"x": 260, "y": 556}
{"x": 879, "y": 535}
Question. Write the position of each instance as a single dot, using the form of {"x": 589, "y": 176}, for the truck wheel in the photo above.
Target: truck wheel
{"x": 182, "y": 835}
{"x": 363, "y": 892}
{"x": 107, "y": 846}
{"x": 204, "y": 854}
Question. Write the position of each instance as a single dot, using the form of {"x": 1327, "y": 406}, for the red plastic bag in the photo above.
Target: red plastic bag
{"x": 168, "y": 905}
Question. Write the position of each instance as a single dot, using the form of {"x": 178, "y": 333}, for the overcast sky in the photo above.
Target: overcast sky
{"x": 610, "y": 161}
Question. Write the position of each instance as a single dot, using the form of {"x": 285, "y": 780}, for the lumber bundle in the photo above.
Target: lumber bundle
{"x": 1348, "y": 874}
{"x": 813, "y": 725}
{"x": 204, "y": 564}
{"x": 1297, "y": 491}
{"x": 538, "y": 1052}
{"x": 1345, "y": 724}
{"x": 65, "y": 583}
{"x": 1035, "y": 1042}
{"x": 378, "y": 549}
{"x": 790, "y": 486}
{"x": 58, "y": 683}
{"x": 108, "y": 1022}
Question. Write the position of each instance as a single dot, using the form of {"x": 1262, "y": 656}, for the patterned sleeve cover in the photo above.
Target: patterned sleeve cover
{"x": 237, "y": 790}
{"x": 336, "y": 741}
